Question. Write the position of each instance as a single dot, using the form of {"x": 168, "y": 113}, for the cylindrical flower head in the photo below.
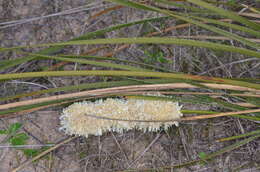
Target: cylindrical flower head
{"x": 83, "y": 118}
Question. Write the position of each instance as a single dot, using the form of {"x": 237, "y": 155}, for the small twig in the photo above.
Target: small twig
{"x": 229, "y": 87}
{"x": 26, "y": 146}
{"x": 106, "y": 11}
{"x": 28, "y": 83}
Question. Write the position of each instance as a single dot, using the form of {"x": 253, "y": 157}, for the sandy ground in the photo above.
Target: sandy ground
{"x": 113, "y": 151}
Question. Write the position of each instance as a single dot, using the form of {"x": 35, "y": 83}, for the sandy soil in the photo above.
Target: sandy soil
{"x": 112, "y": 151}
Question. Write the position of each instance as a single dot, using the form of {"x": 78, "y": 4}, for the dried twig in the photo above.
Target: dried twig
{"x": 229, "y": 87}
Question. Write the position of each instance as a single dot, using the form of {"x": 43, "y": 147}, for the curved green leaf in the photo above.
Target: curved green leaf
{"x": 226, "y": 13}
{"x": 91, "y": 62}
{"x": 155, "y": 40}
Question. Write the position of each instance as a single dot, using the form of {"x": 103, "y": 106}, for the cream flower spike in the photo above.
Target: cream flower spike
{"x": 82, "y": 118}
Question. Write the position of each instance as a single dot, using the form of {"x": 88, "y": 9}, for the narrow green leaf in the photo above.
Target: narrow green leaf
{"x": 253, "y": 118}
{"x": 232, "y": 147}
{"x": 30, "y": 153}
{"x": 231, "y": 106}
{"x": 229, "y": 25}
{"x": 193, "y": 100}
{"x": 240, "y": 136}
{"x": 155, "y": 40}
{"x": 3, "y": 132}
{"x": 226, "y": 13}
{"x": 144, "y": 65}
{"x": 19, "y": 139}
{"x": 13, "y": 128}
{"x": 196, "y": 100}
{"x": 83, "y": 61}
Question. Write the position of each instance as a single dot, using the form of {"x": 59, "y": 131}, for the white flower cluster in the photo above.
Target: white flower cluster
{"x": 82, "y": 118}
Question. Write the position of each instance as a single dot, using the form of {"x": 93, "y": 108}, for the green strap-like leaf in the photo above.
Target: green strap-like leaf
{"x": 155, "y": 40}
{"x": 143, "y": 65}
{"x": 229, "y": 25}
{"x": 226, "y": 13}
{"x": 240, "y": 136}
{"x": 91, "y": 62}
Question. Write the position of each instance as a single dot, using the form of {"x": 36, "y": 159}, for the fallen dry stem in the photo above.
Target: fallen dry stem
{"x": 230, "y": 87}
{"x": 98, "y": 92}
{"x": 123, "y": 89}
{"x": 194, "y": 93}
{"x": 15, "y": 114}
